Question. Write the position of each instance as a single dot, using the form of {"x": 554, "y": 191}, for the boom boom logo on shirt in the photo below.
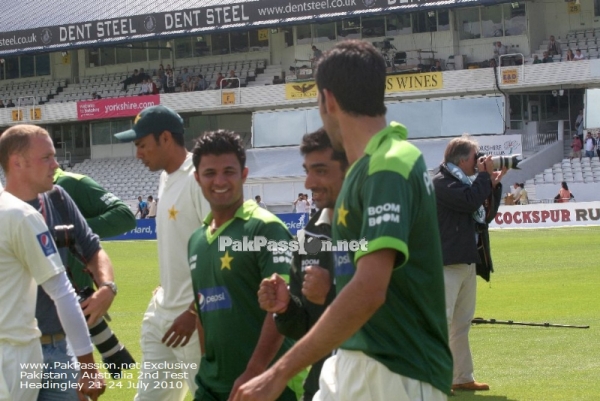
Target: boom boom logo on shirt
{"x": 46, "y": 243}
{"x": 214, "y": 298}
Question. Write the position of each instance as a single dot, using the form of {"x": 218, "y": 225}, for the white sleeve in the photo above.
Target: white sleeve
{"x": 71, "y": 317}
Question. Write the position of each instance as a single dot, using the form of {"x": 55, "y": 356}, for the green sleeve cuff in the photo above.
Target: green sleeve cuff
{"x": 384, "y": 243}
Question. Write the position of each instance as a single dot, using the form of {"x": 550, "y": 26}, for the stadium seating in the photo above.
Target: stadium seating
{"x": 34, "y": 91}
{"x": 588, "y": 41}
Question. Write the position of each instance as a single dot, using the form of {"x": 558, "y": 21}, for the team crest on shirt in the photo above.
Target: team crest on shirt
{"x": 46, "y": 243}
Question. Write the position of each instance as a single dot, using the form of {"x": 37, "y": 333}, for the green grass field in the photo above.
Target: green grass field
{"x": 541, "y": 276}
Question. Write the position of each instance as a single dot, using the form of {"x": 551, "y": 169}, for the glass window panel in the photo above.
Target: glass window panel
{"x": 201, "y": 45}
{"x": 348, "y": 28}
{"x": 288, "y": 36}
{"x": 515, "y": 21}
{"x": 303, "y": 34}
{"x": 399, "y": 24}
{"x": 42, "y": 64}
{"x": 443, "y": 20}
{"x": 94, "y": 57}
{"x": 154, "y": 54}
{"x": 12, "y": 67}
{"x": 183, "y": 47}
{"x": 138, "y": 53}
{"x": 120, "y": 126}
{"x": 239, "y": 41}
{"x": 1, "y": 71}
{"x": 491, "y": 22}
{"x": 468, "y": 23}
{"x": 101, "y": 134}
{"x": 259, "y": 40}
{"x": 424, "y": 21}
{"x": 220, "y": 43}
{"x": 597, "y": 8}
{"x": 123, "y": 54}
{"x": 27, "y": 66}
{"x": 324, "y": 32}
{"x": 107, "y": 56}
{"x": 373, "y": 27}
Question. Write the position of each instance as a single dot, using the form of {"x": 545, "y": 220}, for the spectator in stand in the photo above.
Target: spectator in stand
{"x": 151, "y": 208}
{"x": 232, "y": 81}
{"x": 523, "y": 196}
{"x": 564, "y": 195}
{"x": 301, "y": 204}
{"x": 590, "y": 145}
{"x": 10, "y": 103}
{"x": 437, "y": 67}
{"x": 170, "y": 82}
{"x": 259, "y": 202}
{"x": 141, "y": 76}
{"x": 183, "y": 78}
{"x": 578, "y": 55}
{"x": 576, "y": 146}
{"x": 2, "y": 104}
{"x": 201, "y": 84}
{"x": 579, "y": 125}
{"x": 515, "y": 191}
{"x": 160, "y": 68}
{"x": 598, "y": 143}
{"x": 132, "y": 80}
{"x": 499, "y": 50}
{"x": 553, "y": 47}
{"x": 96, "y": 96}
{"x": 142, "y": 208}
{"x": 162, "y": 79}
{"x": 547, "y": 58}
{"x": 536, "y": 59}
{"x": 570, "y": 55}
{"x": 219, "y": 81}
{"x": 145, "y": 89}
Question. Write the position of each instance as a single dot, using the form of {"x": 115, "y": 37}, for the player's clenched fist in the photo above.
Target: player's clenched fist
{"x": 273, "y": 294}
{"x": 316, "y": 284}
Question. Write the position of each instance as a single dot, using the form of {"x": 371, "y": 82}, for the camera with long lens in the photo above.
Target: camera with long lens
{"x": 510, "y": 162}
{"x": 114, "y": 354}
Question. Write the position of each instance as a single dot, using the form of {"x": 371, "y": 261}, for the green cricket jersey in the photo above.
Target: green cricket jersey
{"x": 388, "y": 199}
{"x": 106, "y": 215}
{"x": 225, "y": 285}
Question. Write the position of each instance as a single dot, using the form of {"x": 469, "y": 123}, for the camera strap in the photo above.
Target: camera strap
{"x": 57, "y": 201}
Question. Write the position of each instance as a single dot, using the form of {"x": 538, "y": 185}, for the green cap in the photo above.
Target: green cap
{"x": 154, "y": 119}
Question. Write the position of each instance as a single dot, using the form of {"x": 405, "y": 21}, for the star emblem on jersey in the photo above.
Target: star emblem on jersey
{"x": 342, "y": 213}
{"x": 173, "y": 213}
{"x": 226, "y": 261}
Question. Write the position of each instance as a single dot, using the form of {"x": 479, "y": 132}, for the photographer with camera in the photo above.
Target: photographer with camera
{"x": 465, "y": 206}
{"x": 27, "y": 157}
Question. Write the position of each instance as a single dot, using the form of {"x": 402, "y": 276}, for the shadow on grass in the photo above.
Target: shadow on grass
{"x": 470, "y": 396}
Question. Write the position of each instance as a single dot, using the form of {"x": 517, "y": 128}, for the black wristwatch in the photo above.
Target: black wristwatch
{"x": 111, "y": 285}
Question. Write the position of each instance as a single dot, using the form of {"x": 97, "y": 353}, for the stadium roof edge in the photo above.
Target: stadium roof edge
{"x": 69, "y": 25}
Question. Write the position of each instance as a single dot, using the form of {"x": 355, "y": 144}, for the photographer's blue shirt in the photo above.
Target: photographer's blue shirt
{"x": 87, "y": 244}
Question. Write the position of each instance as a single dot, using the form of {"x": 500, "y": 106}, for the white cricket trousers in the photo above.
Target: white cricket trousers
{"x": 19, "y": 364}
{"x": 352, "y": 375}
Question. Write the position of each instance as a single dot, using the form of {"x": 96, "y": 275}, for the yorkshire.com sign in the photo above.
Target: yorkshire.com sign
{"x": 262, "y": 12}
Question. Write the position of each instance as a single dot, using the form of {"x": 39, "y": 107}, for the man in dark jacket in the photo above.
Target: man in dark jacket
{"x": 311, "y": 274}
{"x": 465, "y": 207}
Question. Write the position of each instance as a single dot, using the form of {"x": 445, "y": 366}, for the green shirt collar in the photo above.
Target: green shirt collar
{"x": 394, "y": 129}
{"x": 244, "y": 212}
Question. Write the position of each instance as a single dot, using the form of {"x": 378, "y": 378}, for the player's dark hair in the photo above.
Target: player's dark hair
{"x": 219, "y": 143}
{"x": 354, "y": 72}
{"x": 319, "y": 140}
{"x": 177, "y": 137}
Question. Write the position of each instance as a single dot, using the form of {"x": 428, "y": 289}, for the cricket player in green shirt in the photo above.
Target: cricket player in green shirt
{"x": 389, "y": 318}
{"x": 241, "y": 340}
